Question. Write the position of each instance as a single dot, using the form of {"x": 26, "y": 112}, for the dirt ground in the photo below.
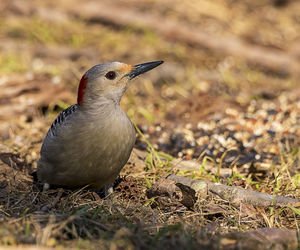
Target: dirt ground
{"x": 224, "y": 108}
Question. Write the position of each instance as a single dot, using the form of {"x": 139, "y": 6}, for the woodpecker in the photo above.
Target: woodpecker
{"x": 91, "y": 141}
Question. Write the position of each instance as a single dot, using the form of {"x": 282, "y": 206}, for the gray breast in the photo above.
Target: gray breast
{"x": 87, "y": 148}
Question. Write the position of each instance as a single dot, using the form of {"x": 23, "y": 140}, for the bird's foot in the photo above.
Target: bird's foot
{"x": 108, "y": 190}
{"x": 46, "y": 187}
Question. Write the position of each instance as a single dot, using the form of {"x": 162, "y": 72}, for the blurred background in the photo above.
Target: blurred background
{"x": 227, "y": 97}
{"x": 217, "y": 54}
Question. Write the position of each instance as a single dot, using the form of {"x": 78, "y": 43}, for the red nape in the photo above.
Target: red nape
{"x": 81, "y": 89}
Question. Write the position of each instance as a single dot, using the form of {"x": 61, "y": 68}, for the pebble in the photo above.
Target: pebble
{"x": 252, "y": 137}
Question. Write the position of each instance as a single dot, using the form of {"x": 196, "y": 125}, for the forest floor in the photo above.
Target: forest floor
{"x": 224, "y": 107}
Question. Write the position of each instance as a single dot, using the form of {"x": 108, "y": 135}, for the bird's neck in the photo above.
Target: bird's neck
{"x": 102, "y": 107}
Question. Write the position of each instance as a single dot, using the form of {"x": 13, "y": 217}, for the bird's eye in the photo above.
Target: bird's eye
{"x": 111, "y": 75}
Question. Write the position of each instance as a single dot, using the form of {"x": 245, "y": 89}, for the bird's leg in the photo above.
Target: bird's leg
{"x": 46, "y": 187}
{"x": 108, "y": 190}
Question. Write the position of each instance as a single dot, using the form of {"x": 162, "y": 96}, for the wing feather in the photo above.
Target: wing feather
{"x": 61, "y": 119}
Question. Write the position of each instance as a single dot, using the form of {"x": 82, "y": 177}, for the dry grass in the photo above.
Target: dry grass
{"x": 39, "y": 51}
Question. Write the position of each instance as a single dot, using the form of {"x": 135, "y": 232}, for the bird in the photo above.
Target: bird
{"x": 90, "y": 142}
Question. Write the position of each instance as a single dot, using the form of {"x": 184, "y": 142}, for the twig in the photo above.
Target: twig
{"x": 234, "y": 194}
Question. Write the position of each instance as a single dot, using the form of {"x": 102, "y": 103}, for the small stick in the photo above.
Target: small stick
{"x": 235, "y": 194}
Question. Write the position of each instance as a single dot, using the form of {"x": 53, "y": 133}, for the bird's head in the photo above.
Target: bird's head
{"x": 109, "y": 81}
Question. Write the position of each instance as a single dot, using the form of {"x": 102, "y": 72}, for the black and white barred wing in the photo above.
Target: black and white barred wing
{"x": 62, "y": 119}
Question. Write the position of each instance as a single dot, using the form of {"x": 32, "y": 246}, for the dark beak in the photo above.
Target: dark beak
{"x": 142, "y": 68}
